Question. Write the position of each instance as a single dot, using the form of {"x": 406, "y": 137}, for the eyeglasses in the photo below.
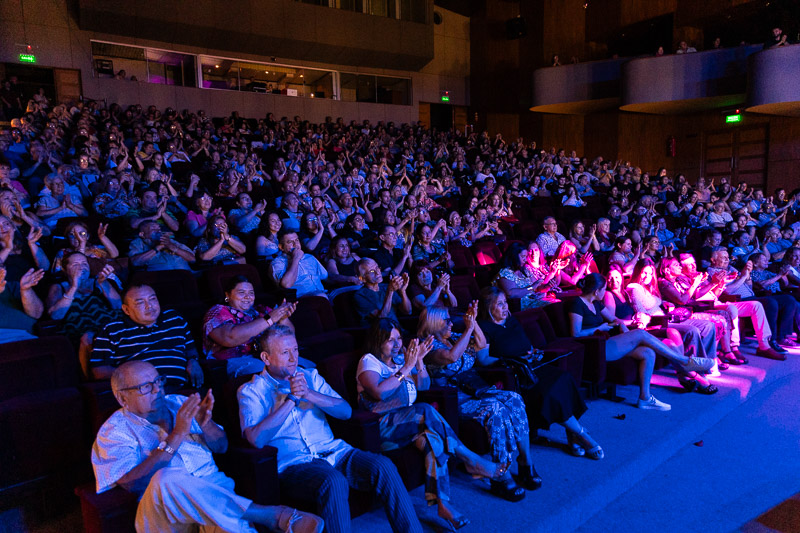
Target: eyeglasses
{"x": 448, "y": 321}
{"x": 372, "y": 271}
{"x": 147, "y": 388}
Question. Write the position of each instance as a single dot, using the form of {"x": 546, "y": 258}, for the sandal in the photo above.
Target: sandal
{"x": 499, "y": 471}
{"x": 592, "y": 452}
{"x": 457, "y": 522}
{"x": 738, "y": 355}
{"x": 574, "y": 449}
{"x": 688, "y": 383}
{"x": 507, "y": 489}
{"x": 706, "y": 389}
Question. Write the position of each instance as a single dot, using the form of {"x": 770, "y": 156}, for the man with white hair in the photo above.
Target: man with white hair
{"x": 159, "y": 447}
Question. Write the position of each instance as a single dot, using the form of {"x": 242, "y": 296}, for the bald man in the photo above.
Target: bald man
{"x": 159, "y": 447}
{"x": 378, "y": 299}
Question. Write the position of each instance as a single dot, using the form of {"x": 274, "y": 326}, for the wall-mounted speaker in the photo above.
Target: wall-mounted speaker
{"x": 516, "y": 28}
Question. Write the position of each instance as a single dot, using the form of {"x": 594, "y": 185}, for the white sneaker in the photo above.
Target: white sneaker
{"x": 653, "y": 404}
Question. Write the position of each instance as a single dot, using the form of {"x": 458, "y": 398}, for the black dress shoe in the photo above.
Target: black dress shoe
{"x": 777, "y": 347}
{"x": 528, "y": 478}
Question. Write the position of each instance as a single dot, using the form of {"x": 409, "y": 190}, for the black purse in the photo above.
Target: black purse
{"x": 523, "y": 371}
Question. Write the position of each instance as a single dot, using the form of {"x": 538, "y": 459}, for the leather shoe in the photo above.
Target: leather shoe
{"x": 775, "y": 346}
{"x": 769, "y": 353}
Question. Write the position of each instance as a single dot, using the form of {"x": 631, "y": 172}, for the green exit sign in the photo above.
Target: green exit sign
{"x": 445, "y": 98}
{"x": 733, "y": 118}
{"x": 27, "y": 58}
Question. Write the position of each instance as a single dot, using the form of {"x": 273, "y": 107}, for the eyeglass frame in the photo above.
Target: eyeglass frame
{"x": 160, "y": 381}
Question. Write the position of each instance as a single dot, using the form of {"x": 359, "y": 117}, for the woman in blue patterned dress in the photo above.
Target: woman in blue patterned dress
{"x": 502, "y": 413}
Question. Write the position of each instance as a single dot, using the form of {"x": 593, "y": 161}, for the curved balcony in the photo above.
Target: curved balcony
{"x": 686, "y": 83}
{"x": 577, "y": 89}
{"x": 774, "y": 88}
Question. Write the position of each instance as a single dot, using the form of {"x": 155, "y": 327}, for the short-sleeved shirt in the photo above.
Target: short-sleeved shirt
{"x": 368, "y": 301}
{"x": 163, "y": 260}
{"x": 310, "y": 274}
{"x": 590, "y": 319}
{"x": 167, "y": 345}
{"x": 549, "y": 243}
{"x": 745, "y": 290}
{"x": 219, "y": 315}
{"x": 387, "y": 260}
{"x": 125, "y": 440}
{"x": 305, "y": 434}
{"x": 370, "y": 363}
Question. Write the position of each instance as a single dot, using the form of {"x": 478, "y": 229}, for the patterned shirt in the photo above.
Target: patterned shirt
{"x": 125, "y": 440}
{"x": 167, "y": 345}
{"x": 745, "y": 290}
{"x": 305, "y": 434}
{"x": 219, "y": 315}
{"x": 549, "y": 243}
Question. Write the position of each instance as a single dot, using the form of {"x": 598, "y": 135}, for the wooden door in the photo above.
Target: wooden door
{"x": 68, "y": 84}
{"x": 460, "y": 117}
{"x": 425, "y": 114}
{"x": 737, "y": 153}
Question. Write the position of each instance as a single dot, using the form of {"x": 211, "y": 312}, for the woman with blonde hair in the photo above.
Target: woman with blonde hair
{"x": 452, "y": 361}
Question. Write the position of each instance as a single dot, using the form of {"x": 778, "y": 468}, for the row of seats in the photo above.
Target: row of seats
{"x": 41, "y": 377}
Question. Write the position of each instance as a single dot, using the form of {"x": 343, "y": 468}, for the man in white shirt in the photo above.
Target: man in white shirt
{"x": 160, "y": 447}
{"x": 285, "y": 406}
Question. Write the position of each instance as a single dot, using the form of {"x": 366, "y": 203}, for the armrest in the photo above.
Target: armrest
{"x": 594, "y": 362}
{"x": 254, "y": 470}
{"x": 700, "y": 306}
{"x": 444, "y": 400}
{"x": 502, "y": 377}
{"x": 725, "y": 297}
{"x": 360, "y": 430}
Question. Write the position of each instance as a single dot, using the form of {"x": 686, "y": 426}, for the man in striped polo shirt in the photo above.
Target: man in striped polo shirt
{"x": 147, "y": 334}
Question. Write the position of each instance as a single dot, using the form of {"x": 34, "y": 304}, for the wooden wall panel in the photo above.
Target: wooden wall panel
{"x": 562, "y": 131}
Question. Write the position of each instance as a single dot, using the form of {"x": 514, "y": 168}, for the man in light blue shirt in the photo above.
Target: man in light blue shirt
{"x": 285, "y": 406}
{"x": 294, "y": 269}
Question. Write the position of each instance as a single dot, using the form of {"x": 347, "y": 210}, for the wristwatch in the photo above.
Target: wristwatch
{"x": 164, "y": 447}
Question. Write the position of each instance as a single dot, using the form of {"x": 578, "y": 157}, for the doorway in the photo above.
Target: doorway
{"x": 442, "y": 117}
{"x": 738, "y": 153}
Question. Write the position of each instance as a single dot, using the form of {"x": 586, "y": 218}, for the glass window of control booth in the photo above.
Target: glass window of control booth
{"x": 143, "y": 64}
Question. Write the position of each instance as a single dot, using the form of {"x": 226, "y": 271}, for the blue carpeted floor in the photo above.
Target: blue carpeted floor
{"x": 713, "y": 463}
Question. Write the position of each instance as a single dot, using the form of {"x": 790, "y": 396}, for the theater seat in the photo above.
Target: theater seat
{"x": 254, "y": 471}
{"x": 362, "y": 430}
{"x": 43, "y": 430}
{"x": 176, "y": 289}
{"x": 540, "y": 331}
{"x": 318, "y": 334}
{"x": 216, "y": 277}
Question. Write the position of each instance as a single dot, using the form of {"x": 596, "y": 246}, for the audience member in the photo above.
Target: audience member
{"x": 159, "y": 447}
{"x": 285, "y": 406}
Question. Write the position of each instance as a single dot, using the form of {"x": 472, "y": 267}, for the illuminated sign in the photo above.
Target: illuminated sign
{"x": 27, "y": 58}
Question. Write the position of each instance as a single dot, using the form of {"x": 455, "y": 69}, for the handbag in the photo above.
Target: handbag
{"x": 470, "y": 382}
{"x": 523, "y": 371}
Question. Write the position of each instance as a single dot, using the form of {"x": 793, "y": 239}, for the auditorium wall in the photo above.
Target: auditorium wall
{"x": 51, "y": 28}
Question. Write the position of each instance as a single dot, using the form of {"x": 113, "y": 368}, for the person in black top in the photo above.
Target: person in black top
{"x": 555, "y": 397}
{"x": 588, "y": 315}
{"x": 391, "y": 260}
